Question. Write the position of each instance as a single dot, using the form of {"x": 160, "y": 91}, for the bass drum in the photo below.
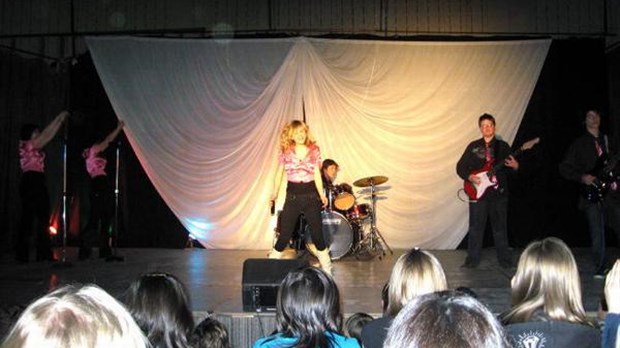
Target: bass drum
{"x": 337, "y": 233}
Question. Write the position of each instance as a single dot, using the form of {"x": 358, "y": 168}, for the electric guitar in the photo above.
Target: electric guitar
{"x": 605, "y": 174}
{"x": 486, "y": 174}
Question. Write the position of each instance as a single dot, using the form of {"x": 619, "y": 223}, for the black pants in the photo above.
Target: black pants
{"x": 97, "y": 230}
{"x": 301, "y": 199}
{"x": 35, "y": 211}
{"x": 600, "y": 215}
{"x": 494, "y": 207}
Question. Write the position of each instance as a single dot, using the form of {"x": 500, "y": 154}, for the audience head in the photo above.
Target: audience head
{"x": 445, "y": 319}
{"x": 546, "y": 280}
{"x": 384, "y": 297}
{"x": 75, "y": 317}
{"x": 467, "y": 291}
{"x": 210, "y": 333}
{"x": 355, "y": 323}
{"x": 160, "y": 306}
{"x": 308, "y": 305}
{"x": 415, "y": 273}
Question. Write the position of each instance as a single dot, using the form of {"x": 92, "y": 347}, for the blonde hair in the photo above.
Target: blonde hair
{"x": 73, "y": 317}
{"x": 547, "y": 279}
{"x": 286, "y": 136}
{"x": 415, "y": 273}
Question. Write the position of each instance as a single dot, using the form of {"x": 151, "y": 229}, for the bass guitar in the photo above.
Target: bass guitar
{"x": 486, "y": 174}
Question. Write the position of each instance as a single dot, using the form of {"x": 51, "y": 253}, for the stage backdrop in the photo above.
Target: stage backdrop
{"x": 204, "y": 116}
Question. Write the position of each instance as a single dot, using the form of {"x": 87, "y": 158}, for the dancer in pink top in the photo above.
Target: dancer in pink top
{"x": 33, "y": 191}
{"x": 101, "y": 199}
{"x": 300, "y": 159}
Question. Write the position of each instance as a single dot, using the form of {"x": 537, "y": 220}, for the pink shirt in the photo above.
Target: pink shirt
{"x": 95, "y": 165}
{"x": 31, "y": 159}
{"x": 301, "y": 171}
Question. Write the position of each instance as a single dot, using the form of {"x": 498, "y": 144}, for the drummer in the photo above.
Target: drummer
{"x": 329, "y": 171}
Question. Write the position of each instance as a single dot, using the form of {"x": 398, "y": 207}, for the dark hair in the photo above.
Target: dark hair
{"x": 467, "y": 291}
{"x": 446, "y": 319}
{"x": 486, "y": 117}
{"x": 385, "y": 297}
{"x": 308, "y": 305}
{"x": 159, "y": 304}
{"x": 25, "y": 133}
{"x": 210, "y": 333}
{"x": 328, "y": 162}
{"x": 355, "y": 323}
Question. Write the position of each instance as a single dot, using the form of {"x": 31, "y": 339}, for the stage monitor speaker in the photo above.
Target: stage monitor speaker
{"x": 261, "y": 281}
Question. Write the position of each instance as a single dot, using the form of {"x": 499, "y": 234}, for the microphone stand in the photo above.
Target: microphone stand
{"x": 63, "y": 263}
{"x": 114, "y": 244}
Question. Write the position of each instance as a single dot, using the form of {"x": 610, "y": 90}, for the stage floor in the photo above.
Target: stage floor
{"x": 213, "y": 277}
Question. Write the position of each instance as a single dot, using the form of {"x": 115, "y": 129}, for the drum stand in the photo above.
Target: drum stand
{"x": 373, "y": 244}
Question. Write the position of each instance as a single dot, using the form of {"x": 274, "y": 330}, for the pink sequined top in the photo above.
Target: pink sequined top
{"x": 95, "y": 165}
{"x": 301, "y": 171}
{"x": 31, "y": 159}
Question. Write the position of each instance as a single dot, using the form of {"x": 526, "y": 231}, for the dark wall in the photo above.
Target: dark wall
{"x": 573, "y": 80}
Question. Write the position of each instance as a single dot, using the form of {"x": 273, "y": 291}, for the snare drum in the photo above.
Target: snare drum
{"x": 337, "y": 233}
{"x": 359, "y": 212}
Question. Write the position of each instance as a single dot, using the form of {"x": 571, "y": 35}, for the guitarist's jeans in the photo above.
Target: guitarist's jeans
{"x": 599, "y": 215}
{"x": 493, "y": 207}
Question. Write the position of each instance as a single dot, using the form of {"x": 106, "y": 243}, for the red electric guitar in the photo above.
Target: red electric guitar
{"x": 487, "y": 173}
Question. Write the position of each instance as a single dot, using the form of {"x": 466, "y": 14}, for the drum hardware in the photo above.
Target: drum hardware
{"x": 373, "y": 242}
{"x": 371, "y": 181}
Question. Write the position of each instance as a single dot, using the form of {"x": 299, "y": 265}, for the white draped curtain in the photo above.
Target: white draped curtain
{"x": 204, "y": 117}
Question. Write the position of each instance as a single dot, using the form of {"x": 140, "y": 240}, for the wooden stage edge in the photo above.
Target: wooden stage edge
{"x": 214, "y": 277}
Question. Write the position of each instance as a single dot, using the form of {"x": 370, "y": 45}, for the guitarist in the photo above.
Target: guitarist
{"x": 581, "y": 164}
{"x": 493, "y": 204}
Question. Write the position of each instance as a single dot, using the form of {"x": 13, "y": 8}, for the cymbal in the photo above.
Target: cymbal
{"x": 370, "y": 181}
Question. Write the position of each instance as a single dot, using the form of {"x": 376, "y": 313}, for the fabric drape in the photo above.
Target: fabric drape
{"x": 204, "y": 117}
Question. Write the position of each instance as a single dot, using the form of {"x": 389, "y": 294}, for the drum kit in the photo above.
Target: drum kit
{"x": 349, "y": 228}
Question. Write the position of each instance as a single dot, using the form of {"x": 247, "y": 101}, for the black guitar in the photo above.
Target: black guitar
{"x": 605, "y": 173}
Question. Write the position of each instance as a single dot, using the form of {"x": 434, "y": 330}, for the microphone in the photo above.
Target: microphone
{"x": 272, "y": 207}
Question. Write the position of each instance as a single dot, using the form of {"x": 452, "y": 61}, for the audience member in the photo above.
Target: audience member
{"x": 384, "y": 297}
{"x": 308, "y": 313}
{"x": 160, "y": 306}
{"x": 467, "y": 291}
{"x": 75, "y": 317}
{"x": 355, "y": 323}
{"x": 547, "y": 309}
{"x": 611, "y": 332}
{"x": 447, "y": 319}
{"x": 210, "y": 333}
{"x": 415, "y": 273}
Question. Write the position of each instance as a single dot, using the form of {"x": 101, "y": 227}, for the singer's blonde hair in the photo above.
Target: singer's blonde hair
{"x": 286, "y": 136}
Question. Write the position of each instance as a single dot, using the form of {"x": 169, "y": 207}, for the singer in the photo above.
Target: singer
{"x": 300, "y": 158}
{"x": 101, "y": 199}
{"x": 33, "y": 191}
